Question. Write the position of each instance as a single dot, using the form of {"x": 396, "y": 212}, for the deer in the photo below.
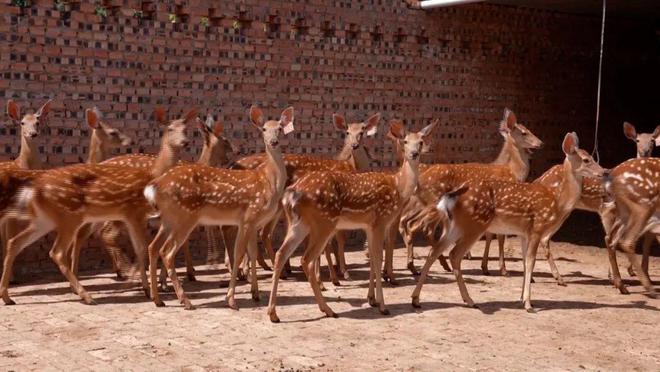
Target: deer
{"x": 633, "y": 188}
{"x": 65, "y": 199}
{"x": 529, "y": 210}
{"x": 28, "y": 157}
{"x": 195, "y": 194}
{"x": 512, "y": 164}
{"x": 215, "y": 152}
{"x": 353, "y": 157}
{"x": 593, "y": 199}
{"x": 320, "y": 203}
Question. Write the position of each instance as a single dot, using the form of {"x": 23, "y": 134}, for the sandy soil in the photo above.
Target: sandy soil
{"x": 584, "y": 326}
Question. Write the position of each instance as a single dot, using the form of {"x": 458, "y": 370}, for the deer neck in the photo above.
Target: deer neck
{"x": 515, "y": 158}
{"x": 166, "y": 159}
{"x": 28, "y": 158}
{"x": 348, "y": 154}
{"x": 570, "y": 189}
{"x": 275, "y": 170}
{"x": 206, "y": 157}
{"x": 406, "y": 178}
{"x": 98, "y": 150}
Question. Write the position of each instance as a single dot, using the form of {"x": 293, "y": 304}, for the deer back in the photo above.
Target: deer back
{"x": 92, "y": 190}
{"x": 593, "y": 192}
{"x": 637, "y": 180}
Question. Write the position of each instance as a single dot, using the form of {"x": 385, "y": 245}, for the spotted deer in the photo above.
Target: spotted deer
{"x": 191, "y": 195}
{"x": 28, "y": 158}
{"x": 634, "y": 187}
{"x": 512, "y": 164}
{"x": 593, "y": 198}
{"x": 215, "y": 152}
{"x": 529, "y": 210}
{"x": 352, "y": 157}
{"x": 320, "y": 203}
{"x": 64, "y": 199}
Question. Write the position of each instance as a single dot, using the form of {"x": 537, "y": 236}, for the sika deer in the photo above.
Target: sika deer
{"x": 531, "y": 211}
{"x": 512, "y": 164}
{"x": 214, "y": 153}
{"x": 352, "y": 158}
{"x": 634, "y": 186}
{"x": 65, "y": 199}
{"x": 190, "y": 195}
{"x": 322, "y": 202}
{"x": 593, "y": 199}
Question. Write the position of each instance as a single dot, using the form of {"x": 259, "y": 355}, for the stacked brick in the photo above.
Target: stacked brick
{"x": 462, "y": 65}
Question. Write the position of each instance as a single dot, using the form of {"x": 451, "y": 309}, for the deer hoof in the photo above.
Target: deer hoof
{"x": 159, "y": 303}
{"x": 192, "y": 278}
{"x": 336, "y": 283}
{"x": 623, "y": 289}
{"x": 561, "y": 283}
{"x": 504, "y": 273}
{"x": 415, "y": 303}
{"x": 631, "y": 271}
{"x": 484, "y": 270}
{"x": 255, "y": 297}
{"x": 89, "y": 301}
{"x": 473, "y": 306}
{"x": 412, "y": 268}
{"x": 119, "y": 276}
{"x": 10, "y": 302}
{"x": 188, "y": 306}
{"x": 385, "y": 312}
{"x": 232, "y": 304}
{"x": 273, "y": 317}
{"x": 372, "y": 301}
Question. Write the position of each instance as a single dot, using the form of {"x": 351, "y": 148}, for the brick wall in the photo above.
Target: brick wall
{"x": 462, "y": 65}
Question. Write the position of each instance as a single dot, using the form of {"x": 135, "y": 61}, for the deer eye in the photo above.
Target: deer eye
{"x": 263, "y": 129}
{"x": 405, "y": 142}
{"x": 585, "y": 160}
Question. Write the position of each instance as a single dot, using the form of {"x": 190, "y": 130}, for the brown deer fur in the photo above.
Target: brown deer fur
{"x": 65, "y": 199}
{"x": 322, "y": 202}
{"x": 529, "y": 210}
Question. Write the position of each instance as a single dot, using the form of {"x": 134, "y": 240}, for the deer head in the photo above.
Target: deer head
{"x": 272, "y": 129}
{"x": 522, "y": 137}
{"x": 412, "y": 143}
{"x": 30, "y": 123}
{"x": 103, "y": 132}
{"x": 356, "y": 131}
{"x": 581, "y": 162}
{"x": 218, "y": 147}
{"x": 645, "y": 141}
{"x": 174, "y": 135}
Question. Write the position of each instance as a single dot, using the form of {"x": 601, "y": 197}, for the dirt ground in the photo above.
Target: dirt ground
{"x": 584, "y": 326}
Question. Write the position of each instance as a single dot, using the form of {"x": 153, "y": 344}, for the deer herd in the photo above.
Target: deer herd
{"x": 451, "y": 205}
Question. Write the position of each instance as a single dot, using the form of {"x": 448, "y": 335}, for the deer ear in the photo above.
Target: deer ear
{"x": 43, "y": 110}
{"x": 428, "y": 129}
{"x": 217, "y": 128}
{"x": 372, "y": 124}
{"x": 256, "y": 116}
{"x": 629, "y": 131}
{"x": 286, "y": 120}
{"x": 570, "y": 144}
{"x": 510, "y": 119}
{"x": 191, "y": 114}
{"x": 656, "y": 132}
{"x": 159, "y": 115}
{"x": 396, "y": 129}
{"x": 13, "y": 110}
{"x": 208, "y": 124}
{"x": 91, "y": 118}
{"x": 339, "y": 122}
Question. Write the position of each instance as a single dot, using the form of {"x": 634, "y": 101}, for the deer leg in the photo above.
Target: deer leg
{"x": 390, "y": 238}
{"x": 136, "y": 229}
{"x": 456, "y": 257}
{"x": 551, "y": 262}
{"x": 190, "y": 268}
{"x": 376, "y": 238}
{"x": 253, "y": 251}
{"x": 646, "y": 251}
{"x": 408, "y": 234}
{"x": 318, "y": 240}
{"x": 11, "y": 229}
{"x": 81, "y": 238}
{"x": 239, "y": 253}
{"x": 35, "y": 230}
{"x": 331, "y": 266}
{"x": 155, "y": 246}
{"x": 109, "y": 237}
{"x": 317, "y": 273}
{"x": 529, "y": 259}
{"x": 295, "y": 234}
{"x": 436, "y": 251}
{"x": 500, "y": 245}
{"x": 168, "y": 252}
{"x": 484, "y": 257}
{"x": 60, "y": 254}
{"x": 340, "y": 238}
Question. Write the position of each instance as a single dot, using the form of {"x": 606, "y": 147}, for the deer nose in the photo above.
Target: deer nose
{"x": 184, "y": 143}
{"x": 33, "y": 134}
{"x": 355, "y": 146}
{"x": 414, "y": 154}
{"x": 274, "y": 142}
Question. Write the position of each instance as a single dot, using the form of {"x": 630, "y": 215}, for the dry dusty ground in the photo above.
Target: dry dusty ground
{"x": 585, "y": 326}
